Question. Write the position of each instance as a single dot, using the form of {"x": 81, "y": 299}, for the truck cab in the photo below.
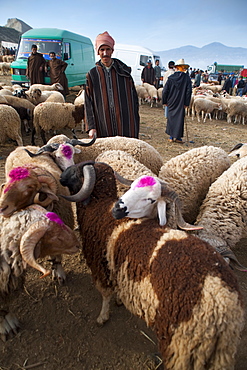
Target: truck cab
{"x": 76, "y": 50}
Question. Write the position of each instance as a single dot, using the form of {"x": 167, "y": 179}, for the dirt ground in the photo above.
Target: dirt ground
{"x": 58, "y": 323}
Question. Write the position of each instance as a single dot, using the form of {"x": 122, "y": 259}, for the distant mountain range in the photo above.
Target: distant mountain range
{"x": 207, "y": 55}
{"x": 12, "y": 31}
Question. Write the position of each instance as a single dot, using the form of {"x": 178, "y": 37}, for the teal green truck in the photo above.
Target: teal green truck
{"x": 76, "y": 50}
{"x": 224, "y": 68}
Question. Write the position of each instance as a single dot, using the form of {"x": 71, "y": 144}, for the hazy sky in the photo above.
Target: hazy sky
{"x": 157, "y": 25}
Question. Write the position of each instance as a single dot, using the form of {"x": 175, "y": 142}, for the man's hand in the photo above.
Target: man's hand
{"x": 92, "y": 133}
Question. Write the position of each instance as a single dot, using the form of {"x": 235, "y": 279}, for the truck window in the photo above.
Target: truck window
{"x": 144, "y": 59}
{"x": 44, "y": 47}
{"x": 66, "y": 50}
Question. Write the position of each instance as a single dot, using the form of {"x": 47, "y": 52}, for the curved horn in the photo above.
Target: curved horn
{"x": 46, "y": 177}
{"x": 87, "y": 187}
{"x": 29, "y": 241}
{"x": 237, "y": 146}
{"x": 46, "y": 148}
{"x": 81, "y": 143}
{"x": 166, "y": 192}
{"x": 227, "y": 253}
{"x": 122, "y": 179}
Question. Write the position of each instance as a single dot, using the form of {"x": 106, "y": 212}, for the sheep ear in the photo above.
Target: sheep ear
{"x": 161, "y": 206}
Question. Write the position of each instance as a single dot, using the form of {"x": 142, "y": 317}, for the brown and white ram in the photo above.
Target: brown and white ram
{"x": 176, "y": 282}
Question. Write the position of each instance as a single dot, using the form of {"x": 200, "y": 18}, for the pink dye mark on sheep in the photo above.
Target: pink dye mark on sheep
{"x": 54, "y": 218}
{"x": 17, "y": 174}
{"x": 145, "y": 181}
{"x": 67, "y": 151}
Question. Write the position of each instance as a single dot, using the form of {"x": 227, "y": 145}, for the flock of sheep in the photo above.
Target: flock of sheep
{"x": 208, "y": 100}
{"x": 5, "y": 64}
{"x": 160, "y": 236}
{"x": 42, "y": 108}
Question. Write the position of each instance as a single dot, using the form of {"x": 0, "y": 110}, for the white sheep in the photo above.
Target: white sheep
{"x": 37, "y": 96}
{"x": 237, "y": 108}
{"x": 27, "y": 235}
{"x": 142, "y": 94}
{"x": 5, "y": 91}
{"x": 56, "y": 87}
{"x": 10, "y": 124}
{"x": 124, "y": 164}
{"x": 19, "y": 102}
{"x": 139, "y": 149}
{"x": 239, "y": 150}
{"x": 80, "y": 97}
{"x": 177, "y": 283}
{"x": 4, "y": 68}
{"x": 214, "y": 88}
{"x": 152, "y": 92}
{"x": 205, "y": 106}
{"x": 160, "y": 90}
{"x": 62, "y": 154}
{"x": 223, "y": 213}
{"x": 55, "y": 116}
{"x": 190, "y": 174}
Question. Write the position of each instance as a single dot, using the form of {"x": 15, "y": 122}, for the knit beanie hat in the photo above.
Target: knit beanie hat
{"x": 104, "y": 39}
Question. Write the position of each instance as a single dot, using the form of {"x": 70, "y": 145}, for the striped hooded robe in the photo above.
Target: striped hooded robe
{"x": 111, "y": 101}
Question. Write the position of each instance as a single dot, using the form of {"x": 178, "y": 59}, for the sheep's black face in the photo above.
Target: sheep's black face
{"x": 119, "y": 211}
{"x": 71, "y": 178}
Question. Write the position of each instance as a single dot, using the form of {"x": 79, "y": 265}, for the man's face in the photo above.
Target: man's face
{"x": 52, "y": 55}
{"x": 34, "y": 50}
{"x": 105, "y": 53}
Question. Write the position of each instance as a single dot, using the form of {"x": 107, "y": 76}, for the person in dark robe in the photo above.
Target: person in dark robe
{"x": 35, "y": 67}
{"x": 227, "y": 85}
{"x": 148, "y": 74}
{"x": 111, "y": 101}
{"x": 176, "y": 95}
{"x": 57, "y": 72}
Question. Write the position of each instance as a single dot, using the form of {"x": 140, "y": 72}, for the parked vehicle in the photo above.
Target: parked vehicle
{"x": 224, "y": 68}
{"x": 75, "y": 49}
{"x": 135, "y": 57}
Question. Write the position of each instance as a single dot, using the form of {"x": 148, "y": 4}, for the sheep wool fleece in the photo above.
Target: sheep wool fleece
{"x": 111, "y": 101}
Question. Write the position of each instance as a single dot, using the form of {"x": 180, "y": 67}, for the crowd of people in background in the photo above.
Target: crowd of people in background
{"x": 229, "y": 81}
{"x": 8, "y": 51}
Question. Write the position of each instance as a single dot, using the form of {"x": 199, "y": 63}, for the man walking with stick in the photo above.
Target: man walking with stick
{"x": 176, "y": 96}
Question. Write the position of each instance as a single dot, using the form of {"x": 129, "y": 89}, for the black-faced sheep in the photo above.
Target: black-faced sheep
{"x": 27, "y": 235}
{"x": 176, "y": 282}
{"x": 55, "y": 116}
